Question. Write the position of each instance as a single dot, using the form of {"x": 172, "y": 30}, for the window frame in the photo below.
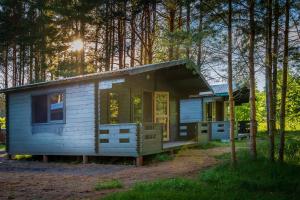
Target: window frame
{"x": 49, "y": 121}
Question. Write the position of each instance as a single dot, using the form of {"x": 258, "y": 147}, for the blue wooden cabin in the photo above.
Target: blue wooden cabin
{"x": 129, "y": 112}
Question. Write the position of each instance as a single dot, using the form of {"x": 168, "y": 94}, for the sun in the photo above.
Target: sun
{"x": 76, "y": 45}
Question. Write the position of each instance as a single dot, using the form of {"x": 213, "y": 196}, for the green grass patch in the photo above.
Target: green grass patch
{"x": 218, "y": 143}
{"x": 112, "y": 184}
{"x": 249, "y": 180}
{"x": 259, "y": 179}
{"x": 162, "y": 157}
{"x": 2, "y": 147}
{"x": 22, "y": 157}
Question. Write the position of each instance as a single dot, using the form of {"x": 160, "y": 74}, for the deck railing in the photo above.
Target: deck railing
{"x": 150, "y": 138}
{"x": 130, "y": 139}
{"x": 219, "y": 130}
{"x": 118, "y": 139}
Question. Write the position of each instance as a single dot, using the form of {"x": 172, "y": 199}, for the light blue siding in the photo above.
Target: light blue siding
{"x": 74, "y": 137}
{"x": 113, "y": 134}
{"x": 220, "y": 130}
{"x": 190, "y": 110}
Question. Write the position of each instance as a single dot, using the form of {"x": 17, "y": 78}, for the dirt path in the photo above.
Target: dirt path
{"x": 37, "y": 180}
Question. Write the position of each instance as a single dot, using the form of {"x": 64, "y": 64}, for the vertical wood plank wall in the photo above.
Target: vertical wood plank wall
{"x": 75, "y": 137}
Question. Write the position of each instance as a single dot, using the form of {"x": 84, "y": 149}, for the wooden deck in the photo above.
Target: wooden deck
{"x": 178, "y": 144}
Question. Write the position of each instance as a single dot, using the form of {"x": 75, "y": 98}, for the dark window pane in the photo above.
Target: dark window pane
{"x": 57, "y": 107}
{"x": 39, "y": 109}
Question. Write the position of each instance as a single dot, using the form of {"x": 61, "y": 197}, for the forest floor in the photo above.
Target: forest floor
{"x": 37, "y": 180}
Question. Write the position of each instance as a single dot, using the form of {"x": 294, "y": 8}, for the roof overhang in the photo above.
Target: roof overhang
{"x": 176, "y": 72}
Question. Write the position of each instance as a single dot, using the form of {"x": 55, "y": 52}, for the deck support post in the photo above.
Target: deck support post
{"x": 84, "y": 159}
{"x": 139, "y": 161}
{"x": 45, "y": 158}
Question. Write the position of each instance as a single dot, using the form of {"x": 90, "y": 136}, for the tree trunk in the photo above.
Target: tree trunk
{"x": 274, "y": 60}
{"x": 82, "y": 56}
{"x": 171, "y": 21}
{"x": 107, "y": 39}
{"x": 253, "y": 123}
{"x": 284, "y": 81}
{"x": 199, "y": 53}
{"x": 120, "y": 36}
{"x": 14, "y": 64}
{"x": 6, "y": 67}
{"x": 230, "y": 90}
{"x": 269, "y": 94}
{"x": 132, "y": 39}
{"x": 31, "y": 64}
{"x": 188, "y": 23}
{"x": 179, "y": 28}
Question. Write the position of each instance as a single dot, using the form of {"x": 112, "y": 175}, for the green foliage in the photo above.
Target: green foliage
{"x": 292, "y": 101}
{"x": 242, "y": 112}
{"x": 2, "y": 122}
{"x": 112, "y": 184}
{"x": 292, "y": 150}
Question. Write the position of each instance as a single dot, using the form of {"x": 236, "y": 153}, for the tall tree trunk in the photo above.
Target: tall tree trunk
{"x": 82, "y": 54}
{"x": 253, "y": 123}
{"x": 124, "y": 34}
{"x": 107, "y": 39}
{"x": 179, "y": 27}
{"x": 199, "y": 52}
{"x": 188, "y": 23}
{"x": 120, "y": 35}
{"x": 132, "y": 39}
{"x": 152, "y": 33}
{"x": 269, "y": 81}
{"x": 171, "y": 22}
{"x": 31, "y": 64}
{"x": 274, "y": 61}
{"x": 96, "y": 48}
{"x": 6, "y": 67}
{"x": 230, "y": 89}
{"x": 112, "y": 43}
{"x": 142, "y": 27}
{"x": 284, "y": 81}
{"x": 14, "y": 64}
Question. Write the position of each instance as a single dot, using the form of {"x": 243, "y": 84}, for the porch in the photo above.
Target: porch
{"x": 136, "y": 140}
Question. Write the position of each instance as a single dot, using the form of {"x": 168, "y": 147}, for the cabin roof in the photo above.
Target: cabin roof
{"x": 222, "y": 89}
{"x": 107, "y": 75}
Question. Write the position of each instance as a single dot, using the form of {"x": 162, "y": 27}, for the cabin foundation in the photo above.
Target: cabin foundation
{"x": 139, "y": 161}
{"x": 85, "y": 159}
{"x": 45, "y": 158}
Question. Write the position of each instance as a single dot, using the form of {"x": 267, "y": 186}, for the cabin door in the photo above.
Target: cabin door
{"x": 161, "y": 112}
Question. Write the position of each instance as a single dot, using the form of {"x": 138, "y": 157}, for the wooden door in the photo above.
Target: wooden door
{"x": 161, "y": 112}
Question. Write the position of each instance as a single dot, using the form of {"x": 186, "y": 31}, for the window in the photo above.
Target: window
{"x": 57, "y": 107}
{"x": 39, "y": 109}
{"x": 137, "y": 108}
{"x": 48, "y": 108}
{"x": 113, "y": 108}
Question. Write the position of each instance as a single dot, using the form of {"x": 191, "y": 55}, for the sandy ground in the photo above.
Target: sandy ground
{"x": 37, "y": 180}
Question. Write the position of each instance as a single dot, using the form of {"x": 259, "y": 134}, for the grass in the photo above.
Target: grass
{"x": 250, "y": 179}
{"x": 162, "y": 157}
{"x": 112, "y": 184}
{"x": 2, "y": 147}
